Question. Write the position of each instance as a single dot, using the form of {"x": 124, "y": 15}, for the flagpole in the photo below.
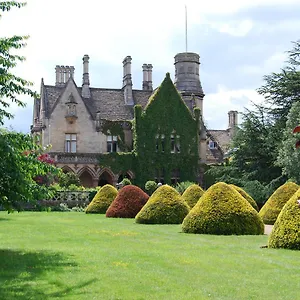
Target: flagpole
{"x": 186, "y": 43}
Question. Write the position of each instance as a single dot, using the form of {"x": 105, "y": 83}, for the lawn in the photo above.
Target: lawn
{"x": 72, "y": 255}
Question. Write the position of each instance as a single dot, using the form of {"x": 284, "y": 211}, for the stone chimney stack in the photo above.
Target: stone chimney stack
{"x": 147, "y": 77}
{"x": 232, "y": 118}
{"x": 86, "y": 93}
{"x": 127, "y": 81}
{"x": 62, "y": 74}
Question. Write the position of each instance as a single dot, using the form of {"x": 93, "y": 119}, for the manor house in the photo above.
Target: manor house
{"x": 87, "y": 126}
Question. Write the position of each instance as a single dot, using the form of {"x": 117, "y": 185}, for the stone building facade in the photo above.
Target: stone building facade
{"x": 73, "y": 119}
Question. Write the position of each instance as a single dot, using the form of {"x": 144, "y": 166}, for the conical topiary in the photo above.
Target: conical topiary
{"x": 192, "y": 194}
{"x": 222, "y": 210}
{"x": 102, "y": 200}
{"x": 271, "y": 209}
{"x": 286, "y": 230}
{"x": 128, "y": 202}
{"x": 246, "y": 196}
{"x": 165, "y": 206}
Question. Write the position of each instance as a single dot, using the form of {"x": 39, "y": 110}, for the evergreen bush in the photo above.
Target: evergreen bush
{"x": 150, "y": 187}
{"x": 222, "y": 210}
{"x": 165, "y": 206}
{"x": 286, "y": 230}
{"x": 246, "y": 196}
{"x": 192, "y": 194}
{"x": 102, "y": 200}
{"x": 128, "y": 202}
{"x": 271, "y": 209}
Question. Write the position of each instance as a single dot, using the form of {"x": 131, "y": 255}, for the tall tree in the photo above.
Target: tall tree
{"x": 289, "y": 155}
{"x": 11, "y": 86}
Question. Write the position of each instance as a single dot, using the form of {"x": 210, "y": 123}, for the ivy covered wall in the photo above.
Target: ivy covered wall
{"x": 165, "y": 139}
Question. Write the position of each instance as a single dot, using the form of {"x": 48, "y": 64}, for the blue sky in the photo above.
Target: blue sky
{"x": 238, "y": 41}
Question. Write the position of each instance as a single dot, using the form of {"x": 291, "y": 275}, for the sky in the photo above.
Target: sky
{"x": 239, "y": 41}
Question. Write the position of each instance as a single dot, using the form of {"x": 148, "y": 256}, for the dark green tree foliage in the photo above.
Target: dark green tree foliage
{"x": 289, "y": 155}
{"x": 11, "y": 86}
{"x": 166, "y": 115}
{"x": 19, "y": 165}
{"x": 222, "y": 210}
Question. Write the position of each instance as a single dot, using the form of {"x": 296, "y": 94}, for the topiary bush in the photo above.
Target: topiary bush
{"x": 150, "y": 187}
{"x": 165, "y": 206}
{"x": 192, "y": 194}
{"x": 222, "y": 210}
{"x": 125, "y": 181}
{"x": 271, "y": 209}
{"x": 102, "y": 200}
{"x": 128, "y": 202}
{"x": 246, "y": 196}
{"x": 286, "y": 230}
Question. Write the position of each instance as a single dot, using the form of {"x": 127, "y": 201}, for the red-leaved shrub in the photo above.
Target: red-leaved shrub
{"x": 128, "y": 202}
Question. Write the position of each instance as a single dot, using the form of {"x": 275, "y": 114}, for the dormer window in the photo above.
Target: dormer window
{"x": 212, "y": 145}
{"x": 71, "y": 112}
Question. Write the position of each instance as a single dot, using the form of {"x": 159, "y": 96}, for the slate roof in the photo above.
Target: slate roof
{"x": 109, "y": 103}
{"x": 222, "y": 137}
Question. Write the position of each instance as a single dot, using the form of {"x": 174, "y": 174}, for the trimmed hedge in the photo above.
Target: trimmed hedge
{"x": 246, "y": 196}
{"x": 165, "y": 206}
{"x": 222, "y": 210}
{"x": 128, "y": 202}
{"x": 286, "y": 230}
{"x": 192, "y": 194}
{"x": 271, "y": 209}
{"x": 102, "y": 200}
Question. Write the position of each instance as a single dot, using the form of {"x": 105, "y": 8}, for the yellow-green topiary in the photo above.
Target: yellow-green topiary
{"x": 102, "y": 200}
{"x": 192, "y": 194}
{"x": 165, "y": 206}
{"x": 271, "y": 209}
{"x": 246, "y": 196}
{"x": 286, "y": 230}
{"x": 222, "y": 210}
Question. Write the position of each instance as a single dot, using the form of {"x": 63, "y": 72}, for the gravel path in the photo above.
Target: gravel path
{"x": 268, "y": 229}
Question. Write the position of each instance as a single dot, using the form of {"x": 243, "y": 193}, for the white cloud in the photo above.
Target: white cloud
{"x": 217, "y": 105}
{"x": 62, "y": 31}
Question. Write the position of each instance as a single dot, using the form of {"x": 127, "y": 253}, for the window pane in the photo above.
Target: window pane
{"x": 108, "y": 147}
{"x": 67, "y": 137}
{"x": 115, "y": 138}
{"x": 73, "y": 147}
{"x": 73, "y": 136}
{"x": 109, "y": 138}
{"x": 114, "y": 147}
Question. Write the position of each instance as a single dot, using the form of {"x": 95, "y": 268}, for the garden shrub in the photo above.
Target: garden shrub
{"x": 286, "y": 230}
{"x": 102, "y": 200}
{"x": 125, "y": 181}
{"x": 182, "y": 186}
{"x": 271, "y": 209}
{"x": 165, "y": 206}
{"x": 246, "y": 196}
{"x": 128, "y": 202}
{"x": 222, "y": 210}
{"x": 192, "y": 194}
{"x": 150, "y": 187}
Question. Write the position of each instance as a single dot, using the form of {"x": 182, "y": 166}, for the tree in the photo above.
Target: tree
{"x": 289, "y": 155}
{"x": 11, "y": 86}
{"x": 21, "y": 163}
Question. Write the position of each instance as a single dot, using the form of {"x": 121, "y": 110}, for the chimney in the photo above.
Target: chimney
{"x": 147, "y": 77}
{"x": 85, "y": 93}
{"x": 232, "y": 119}
{"x": 62, "y": 74}
{"x": 127, "y": 82}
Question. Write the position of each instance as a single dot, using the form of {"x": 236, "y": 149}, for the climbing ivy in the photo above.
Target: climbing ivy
{"x": 165, "y": 139}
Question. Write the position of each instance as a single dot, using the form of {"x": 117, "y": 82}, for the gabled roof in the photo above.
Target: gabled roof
{"x": 109, "y": 103}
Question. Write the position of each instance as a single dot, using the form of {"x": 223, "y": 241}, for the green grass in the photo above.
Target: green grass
{"x": 78, "y": 256}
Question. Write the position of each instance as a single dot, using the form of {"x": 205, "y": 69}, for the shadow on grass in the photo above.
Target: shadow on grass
{"x": 4, "y": 219}
{"x": 23, "y": 275}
